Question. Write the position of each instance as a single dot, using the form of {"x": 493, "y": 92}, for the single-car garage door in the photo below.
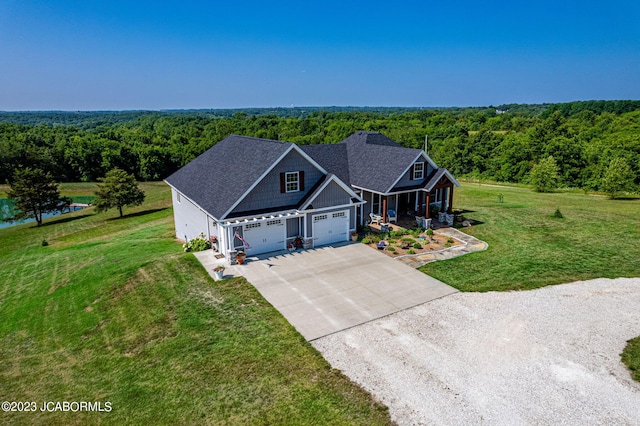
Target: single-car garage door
{"x": 330, "y": 227}
{"x": 264, "y": 237}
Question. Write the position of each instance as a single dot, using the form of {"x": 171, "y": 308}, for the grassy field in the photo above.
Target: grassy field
{"x": 530, "y": 248}
{"x": 113, "y": 310}
{"x": 631, "y": 357}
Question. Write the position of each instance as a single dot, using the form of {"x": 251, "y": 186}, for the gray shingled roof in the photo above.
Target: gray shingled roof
{"x": 217, "y": 178}
{"x": 436, "y": 176}
{"x": 331, "y": 157}
{"x": 375, "y": 161}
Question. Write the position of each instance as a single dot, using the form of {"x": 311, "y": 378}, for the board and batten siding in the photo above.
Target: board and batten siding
{"x": 266, "y": 195}
{"x": 368, "y": 206}
{"x": 332, "y": 195}
{"x": 407, "y": 180}
{"x": 189, "y": 220}
{"x": 293, "y": 227}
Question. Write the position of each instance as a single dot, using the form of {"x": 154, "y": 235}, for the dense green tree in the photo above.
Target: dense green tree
{"x": 544, "y": 175}
{"x": 568, "y": 154}
{"x": 618, "y": 178}
{"x": 118, "y": 190}
{"x": 34, "y": 193}
{"x": 583, "y": 138}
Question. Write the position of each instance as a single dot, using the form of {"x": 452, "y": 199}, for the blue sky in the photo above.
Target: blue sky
{"x": 114, "y": 55}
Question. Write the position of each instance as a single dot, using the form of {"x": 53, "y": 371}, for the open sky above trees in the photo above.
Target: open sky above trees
{"x": 115, "y": 55}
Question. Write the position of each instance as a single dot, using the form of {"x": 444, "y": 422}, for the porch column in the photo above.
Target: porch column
{"x": 303, "y": 223}
{"x": 384, "y": 209}
{"x": 450, "y": 210}
{"x": 445, "y": 199}
{"x": 427, "y": 213}
{"x": 419, "y": 199}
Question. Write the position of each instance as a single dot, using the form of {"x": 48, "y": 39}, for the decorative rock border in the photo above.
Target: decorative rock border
{"x": 469, "y": 245}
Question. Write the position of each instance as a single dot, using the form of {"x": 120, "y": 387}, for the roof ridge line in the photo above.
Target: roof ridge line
{"x": 260, "y": 139}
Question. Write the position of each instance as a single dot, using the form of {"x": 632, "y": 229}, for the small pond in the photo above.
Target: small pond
{"x": 7, "y": 208}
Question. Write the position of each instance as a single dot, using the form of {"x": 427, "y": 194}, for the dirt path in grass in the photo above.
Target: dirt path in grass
{"x": 550, "y": 355}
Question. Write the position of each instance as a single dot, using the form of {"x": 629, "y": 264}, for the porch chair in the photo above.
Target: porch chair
{"x": 375, "y": 218}
{"x": 391, "y": 215}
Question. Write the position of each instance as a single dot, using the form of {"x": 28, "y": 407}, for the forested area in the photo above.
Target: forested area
{"x": 495, "y": 143}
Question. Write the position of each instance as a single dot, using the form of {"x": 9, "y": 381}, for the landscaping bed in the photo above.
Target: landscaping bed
{"x": 401, "y": 243}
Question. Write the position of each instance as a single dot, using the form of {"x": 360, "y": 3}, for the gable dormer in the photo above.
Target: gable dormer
{"x": 417, "y": 173}
{"x": 284, "y": 186}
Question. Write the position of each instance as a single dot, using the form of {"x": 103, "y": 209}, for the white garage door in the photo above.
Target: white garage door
{"x": 264, "y": 237}
{"x": 330, "y": 228}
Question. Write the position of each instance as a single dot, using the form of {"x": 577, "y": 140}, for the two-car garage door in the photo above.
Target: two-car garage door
{"x": 270, "y": 235}
{"x": 330, "y": 227}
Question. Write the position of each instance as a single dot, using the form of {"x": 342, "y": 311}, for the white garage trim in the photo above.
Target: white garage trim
{"x": 331, "y": 227}
{"x": 264, "y": 236}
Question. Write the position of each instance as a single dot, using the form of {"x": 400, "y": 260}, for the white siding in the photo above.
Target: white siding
{"x": 188, "y": 218}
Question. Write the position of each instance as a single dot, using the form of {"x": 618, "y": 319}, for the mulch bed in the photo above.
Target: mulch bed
{"x": 400, "y": 246}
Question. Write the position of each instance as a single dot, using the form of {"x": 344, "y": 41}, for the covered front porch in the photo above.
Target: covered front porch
{"x": 407, "y": 222}
{"x": 406, "y": 205}
{"x": 429, "y": 200}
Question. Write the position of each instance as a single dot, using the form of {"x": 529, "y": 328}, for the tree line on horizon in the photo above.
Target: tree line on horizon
{"x": 495, "y": 143}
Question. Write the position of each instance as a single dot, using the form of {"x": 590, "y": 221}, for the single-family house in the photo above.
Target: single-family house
{"x": 261, "y": 195}
{"x": 386, "y": 175}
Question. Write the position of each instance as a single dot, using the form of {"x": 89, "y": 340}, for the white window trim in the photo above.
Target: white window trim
{"x": 375, "y": 204}
{"x": 287, "y": 182}
{"x": 416, "y": 172}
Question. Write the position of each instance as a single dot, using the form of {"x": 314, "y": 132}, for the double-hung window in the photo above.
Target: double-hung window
{"x": 292, "y": 181}
{"x": 418, "y": 171}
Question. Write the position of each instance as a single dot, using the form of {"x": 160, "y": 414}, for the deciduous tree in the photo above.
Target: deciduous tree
{"x": 544, "y": 175}
{"x": 119, "y": 189}
{"x": 35, "y": 193}
{"x": 618, "y": 178}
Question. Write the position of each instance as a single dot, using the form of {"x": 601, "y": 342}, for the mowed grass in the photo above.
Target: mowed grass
{"x": 530, "y": 248}
{"x": 113, "y": 310}
{"x": 631, "y": 357}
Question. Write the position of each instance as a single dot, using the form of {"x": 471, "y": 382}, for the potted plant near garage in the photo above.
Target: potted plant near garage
{"x": 219, "y": 271}
{"x": 240, "y": 257}
{"x": 354, "y": 236}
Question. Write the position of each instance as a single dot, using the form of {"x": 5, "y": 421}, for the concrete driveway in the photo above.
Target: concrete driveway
{"x": 332, "y": 288}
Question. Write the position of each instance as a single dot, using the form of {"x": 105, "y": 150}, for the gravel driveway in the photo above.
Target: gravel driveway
{"x": 546, "y": 356}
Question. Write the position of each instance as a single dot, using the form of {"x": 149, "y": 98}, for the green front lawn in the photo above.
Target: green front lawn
{"x": 113, "y": 310}
{"x": 530, "y": 248}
